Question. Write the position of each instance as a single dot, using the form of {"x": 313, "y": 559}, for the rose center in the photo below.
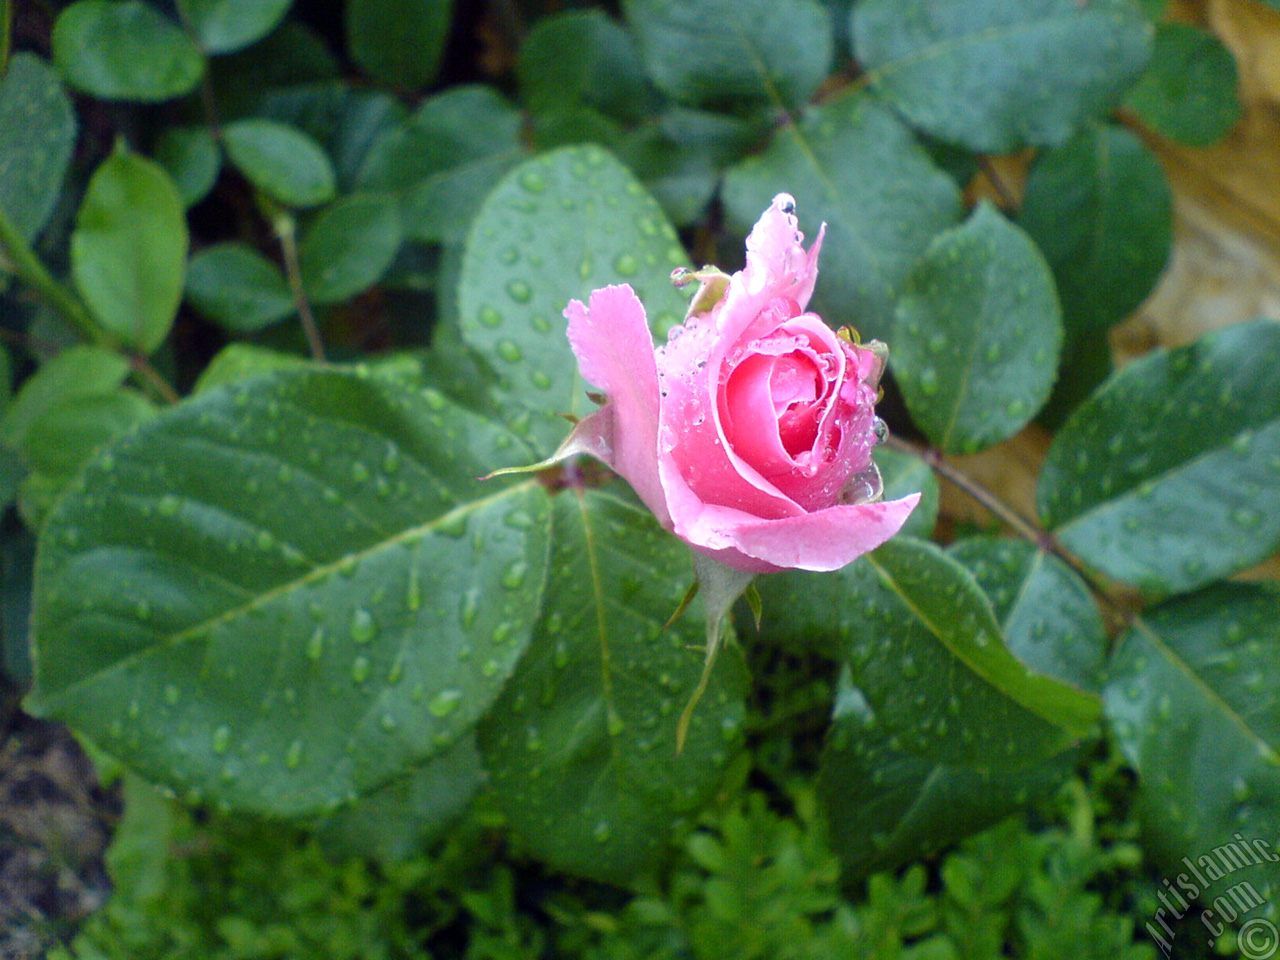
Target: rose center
{"x": 795, "y": 384}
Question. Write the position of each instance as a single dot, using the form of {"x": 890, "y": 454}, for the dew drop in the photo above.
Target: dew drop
{"x": 601, "y": 832}
{"x": 509, "y": 352}
{"x": 388, "y": 722}
{"x": 359, "y": 472}
{"x": 533, "y": 181}
{"x": 937, "y": 343}
{"x": 615, "y": 723}
{"x": 363, "y": 626}
{"x": 540, "y": 380}
{"x": 293, "y": 756}
{"x": 928, "y": 381}
{"x": 513, "y": 578}
{"x": 502, "y": 632}
{"x": 1016, "y": 407}
{"x": 469, "y": 608}
{"x": 519, "y": 291}
{"x": 168, "y": 505}
{"x": 490, "y": 667}
{"x": 360, "y": 669}
{"x": 1246, "y": 518}
{"x": 413, "y": 593}
{"x": 445, "y": 702}
{"x": 626, "y": 265}
{"x": 510, "y": 256}
{"x": 489, "y": 317}
{"x": 585, "y": 267}
{"x": 221, "y": 739}
{"x": 532, "y": 739}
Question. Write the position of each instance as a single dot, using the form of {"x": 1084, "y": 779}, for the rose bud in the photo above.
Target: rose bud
{"x": 749, "y": 433}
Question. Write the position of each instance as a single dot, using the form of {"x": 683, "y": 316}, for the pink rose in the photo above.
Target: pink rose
{"x": 749, "y": 434}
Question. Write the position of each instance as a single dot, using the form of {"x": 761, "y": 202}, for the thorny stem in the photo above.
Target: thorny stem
{"x": 285, "y": 231}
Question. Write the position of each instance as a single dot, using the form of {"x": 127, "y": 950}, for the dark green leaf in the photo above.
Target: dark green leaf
{"x": 78, "y": 371}
{"x": 398, "y": 42}
{"x": 584, "y": 58}
{"x": 124, "y": 50}
{"x": 37, "y": 134}
{"x": 129, "y": 249}
{"x": 927, "y": 652}
{"x": 1190, "y": 93}
{"x": 291, "y": 55}
{"x": 1101, "y": 211}
{"x": 581, "y": 746}
{"x": 284, "y": 593}
{"x": 402, "y": 817}
{"x": 237, "y": 287}
{"x": 444, "y": 159}
{"x": 192, "y": 159}
{"x": 886, "y": 807}
{"x": 346, "y": 120}
{"x": 734, "y": 53}
{"x": 280, "y": 161}
{"x": 995, "y": 76}
{"x": 977, "y": 334}
{"x": 17, "y": 560}
{"x": 1192, "y": 699}
{"x": 1050, "y": 621}
{"x": 905, "y": 473}
{"x": 222, "y": 26}
{"x": 908, "y": 806}
{"x": 854, "y": 166}
{"x": 349, "y": 246}
{"x": 556, "y": 228}
{"x": 1167, "y": 477}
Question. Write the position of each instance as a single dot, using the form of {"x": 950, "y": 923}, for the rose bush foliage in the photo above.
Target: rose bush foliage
{"x": 260, "y": 566}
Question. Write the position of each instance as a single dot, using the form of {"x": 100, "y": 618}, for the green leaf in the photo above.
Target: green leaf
{"x": 854, "y": 166}
{"x": 905, "y": 473}
{"x": 37, "y": 135}
{"x": 222, "y": 26}
{"x": 349, "y": 246}
{"x": 908, "y": 807}
{"x": 996, "y": 77}
{"x": 581, "y": 745}
{"x": 345, "y": 120}
{"x": 977, "y": 334}
{"x": 734, "y": 53}
{"x": 281, "y": 161}
{"x": 444, "y": 159}
{"x": 912, "y": 622}
{"x": 290, "y": 55}
{"x": 286, "y": 592}
{"x": 1166, "y": 478}
{"x": 402, "y": 817}
{"x": 78, "y": 371}
{"x": 192, "y": 159}
{"x": 237, "y": 287}
{"x": 398, "y": 42}
{"x": 240, "y": 361}
{"x": 554, "y": 229}
{"x": 63, "y": 438}
{"x": 584, "y": 58}
{"x": 1190, "y": 93}
{"x": 1192, "y": 699}
{"x": 1101, "y": 211}
{"x": 124, "y": 50}
{"x": 1049, "y": 619}
{"x": 129, "y": 249}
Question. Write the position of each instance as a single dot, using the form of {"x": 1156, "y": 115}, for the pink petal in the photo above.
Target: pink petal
{"x": 825, "y": 539}
{"x": 610, "y": 337}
